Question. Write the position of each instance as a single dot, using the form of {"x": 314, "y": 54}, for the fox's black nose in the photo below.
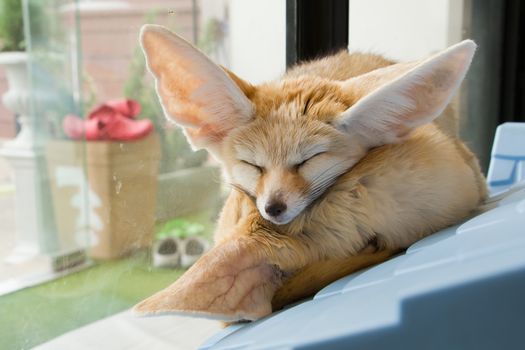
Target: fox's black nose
{"x": 275, "y": 208}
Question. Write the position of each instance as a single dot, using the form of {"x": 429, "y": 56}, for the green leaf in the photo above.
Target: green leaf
{"x": 180, "y": 228}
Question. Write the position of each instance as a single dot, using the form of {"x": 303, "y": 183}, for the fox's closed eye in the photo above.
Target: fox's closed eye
{"x": 259, "y": 168}
{"x": 298, "y": 165}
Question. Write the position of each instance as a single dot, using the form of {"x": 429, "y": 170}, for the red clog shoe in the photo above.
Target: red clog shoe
{"x": 119, "y": 128}
{"x": 126, "y": 107}
{"x": 106, "y": 123}
{"x": 77, "y": 128}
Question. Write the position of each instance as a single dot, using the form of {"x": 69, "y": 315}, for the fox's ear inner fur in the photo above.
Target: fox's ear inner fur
{"x": 195, "y": 92}
{"x": 401, "y": 97}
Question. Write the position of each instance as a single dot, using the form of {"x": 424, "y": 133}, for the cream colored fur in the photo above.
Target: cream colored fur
{"x": 382, "y": 176}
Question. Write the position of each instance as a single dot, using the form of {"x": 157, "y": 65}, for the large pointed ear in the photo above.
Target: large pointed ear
{"x": 231, "y": 282}
{"x": 195, "y": 92}
{"x": 396, "y": 99}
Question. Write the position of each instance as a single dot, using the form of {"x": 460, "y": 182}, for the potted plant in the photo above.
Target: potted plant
{"x": 179, "y": 243}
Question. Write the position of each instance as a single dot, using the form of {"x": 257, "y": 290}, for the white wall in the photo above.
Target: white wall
{"x": 258, "y": 39}
{"x": 403, "y": 29}
{"x": 399, "y": 29}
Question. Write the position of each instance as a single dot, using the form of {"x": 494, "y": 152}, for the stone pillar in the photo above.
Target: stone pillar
{"x": 25, "y": 154}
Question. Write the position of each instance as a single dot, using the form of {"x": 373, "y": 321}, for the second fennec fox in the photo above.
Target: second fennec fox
{"x": 336, "y": 166}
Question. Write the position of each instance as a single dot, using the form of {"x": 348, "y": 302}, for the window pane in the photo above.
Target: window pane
{"x": 111, "y": 203}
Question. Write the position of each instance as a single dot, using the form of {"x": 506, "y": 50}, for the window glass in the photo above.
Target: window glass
{"x": 99, "y": 192}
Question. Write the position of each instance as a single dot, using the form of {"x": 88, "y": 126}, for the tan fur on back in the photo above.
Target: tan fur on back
{"x": 396, "y": 194}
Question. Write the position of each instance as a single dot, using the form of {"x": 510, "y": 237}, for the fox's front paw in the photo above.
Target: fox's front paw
{"x": 231, "y": 282}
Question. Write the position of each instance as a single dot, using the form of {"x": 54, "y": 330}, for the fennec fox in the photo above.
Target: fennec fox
{"x": 335, "y": 166}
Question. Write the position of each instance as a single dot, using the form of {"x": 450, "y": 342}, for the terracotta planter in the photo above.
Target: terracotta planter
{"x": 119, "y": 195}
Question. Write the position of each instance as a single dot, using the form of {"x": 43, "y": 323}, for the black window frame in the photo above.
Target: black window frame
{"x": 315, "y": 28}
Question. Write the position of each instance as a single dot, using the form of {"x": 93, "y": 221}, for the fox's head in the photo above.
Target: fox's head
{"x": 285, "y": 142}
